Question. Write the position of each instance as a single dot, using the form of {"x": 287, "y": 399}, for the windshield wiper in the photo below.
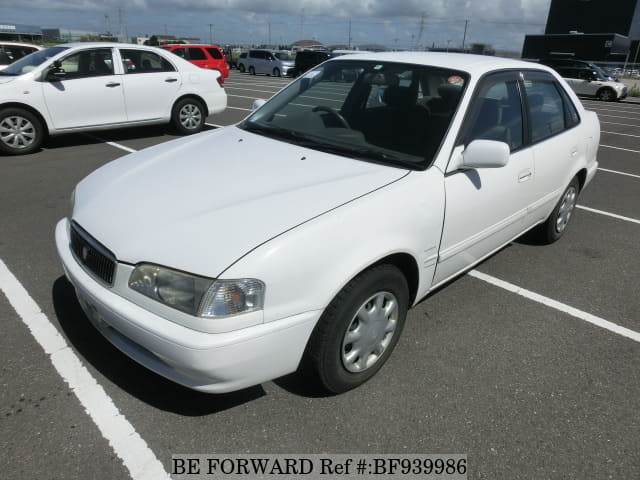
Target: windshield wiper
{"x": 7, "y": 74}
{"x": 279, "y": 132}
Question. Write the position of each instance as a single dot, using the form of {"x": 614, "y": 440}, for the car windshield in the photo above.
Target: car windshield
{"x": 28, "y": 63}
{"x": 282, "y": 56}
{"x": 384, "y": 112}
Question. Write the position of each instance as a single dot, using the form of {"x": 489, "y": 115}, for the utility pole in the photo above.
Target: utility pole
{"x": 464, "y": 36}
{"x": 349, "y": 42}
{"x": 120, "y": 24}
{"x": 301, "y": 23}
{"x": 269, "y": 23}
{"x": 107, "y": 24}
{"x": 211, "y": 34}
{"x": 421, "y": 31}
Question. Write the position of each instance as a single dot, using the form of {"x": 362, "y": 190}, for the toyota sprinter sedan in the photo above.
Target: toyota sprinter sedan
{"x": 299, "y": 238}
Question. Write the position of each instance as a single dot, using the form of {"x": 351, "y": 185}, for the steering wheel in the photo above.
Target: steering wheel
{"x": 333, "y": 112}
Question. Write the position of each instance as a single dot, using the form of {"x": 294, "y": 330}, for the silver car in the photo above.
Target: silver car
{"x": 269, "y": 62}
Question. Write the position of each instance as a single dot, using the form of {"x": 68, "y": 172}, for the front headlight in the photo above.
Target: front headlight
{"x": 198, "y": 296}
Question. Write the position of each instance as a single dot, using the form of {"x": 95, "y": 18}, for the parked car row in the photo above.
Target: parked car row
{"x": 90, "y": 86}
{"x": 203, "y": 56}
{"x": 269, "y": 62}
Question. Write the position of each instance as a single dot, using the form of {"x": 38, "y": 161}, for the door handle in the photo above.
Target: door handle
{"x": 574, "y": 151}
{"x": 171, "y": 80}
{"x": 525, "y": 175}
{"x": 112, "y": 84}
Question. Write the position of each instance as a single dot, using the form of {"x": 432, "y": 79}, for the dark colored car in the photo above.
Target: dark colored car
{"x": 307, "y": 59}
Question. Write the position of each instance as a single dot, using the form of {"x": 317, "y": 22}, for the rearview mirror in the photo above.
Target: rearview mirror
{"x": 485, "y": 154}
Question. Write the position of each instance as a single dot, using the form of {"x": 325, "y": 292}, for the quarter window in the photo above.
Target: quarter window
{"x": 215, "y": 53}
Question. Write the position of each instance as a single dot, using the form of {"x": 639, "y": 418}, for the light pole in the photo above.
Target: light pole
{"x": 210, "y": 33}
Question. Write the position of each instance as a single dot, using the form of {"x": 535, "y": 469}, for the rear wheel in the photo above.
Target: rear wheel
{"x": 252, "y": 70}
{"x": 21, "y": 132}
{"x": 276, "y": 72}
{"x": 359, "y": 329}
{"x": 555, "y": 226}
{"x": 188, "y": 116}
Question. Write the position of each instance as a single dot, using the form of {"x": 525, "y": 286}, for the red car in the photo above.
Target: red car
{"x": 204, "y": 56}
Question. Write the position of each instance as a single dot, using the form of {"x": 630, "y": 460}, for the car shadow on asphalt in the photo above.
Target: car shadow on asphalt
{"x": 119, "y": 135}
{"x": 133, "y": 378}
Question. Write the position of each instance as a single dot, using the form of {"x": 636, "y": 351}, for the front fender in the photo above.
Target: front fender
{"x": 304, "y": 268}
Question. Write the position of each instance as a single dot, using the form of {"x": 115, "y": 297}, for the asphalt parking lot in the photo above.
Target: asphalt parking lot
{"x": 529, "y": 365}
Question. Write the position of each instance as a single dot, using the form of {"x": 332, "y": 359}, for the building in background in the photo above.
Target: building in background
{"x": 596, "y": 30}
{"x": 20, "y": 33}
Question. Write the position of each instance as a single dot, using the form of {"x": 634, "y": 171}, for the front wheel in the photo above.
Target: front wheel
{"x": 359, "y": 329}
{"x": 188, "y": 116}
{"x": 607, "y": 95}
{"x": 241, "y": 68}
{"x": 276, "y": 72}
{"x": 21, "y": 132}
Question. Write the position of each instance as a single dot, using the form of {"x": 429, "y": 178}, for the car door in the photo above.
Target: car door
{"x": 487, "y": 207}
{"x": 86, "y": 92}
{"x": 151, "y": 84}
{"x": 557, "y": 147}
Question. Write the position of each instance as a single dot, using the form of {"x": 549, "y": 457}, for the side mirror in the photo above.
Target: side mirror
{"x": 485, "y": 154}
{"x": 257, "y": 103}
{"x": 479, "y": 154}
{"x": 55, "y": 72}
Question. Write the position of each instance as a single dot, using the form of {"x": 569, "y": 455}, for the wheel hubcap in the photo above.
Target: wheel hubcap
{"x": 190, "y": 116}
{"x": 566, "y": 209}
{"x": 370, "y": 332}
{"x": 17, "y": 132}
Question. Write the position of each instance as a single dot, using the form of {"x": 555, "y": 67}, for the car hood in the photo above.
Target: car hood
{"x": 198, "y": 204}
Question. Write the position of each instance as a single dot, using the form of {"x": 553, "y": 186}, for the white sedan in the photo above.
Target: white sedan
{"x": 324, "y": 216}
{"x": 90, "y": 86}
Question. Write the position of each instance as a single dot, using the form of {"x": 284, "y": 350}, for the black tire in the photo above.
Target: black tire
{"x": 241, "y": 68}
{"x": 276, "y": 72}
{"x": 22, "y": 131}
{"x": 607, "y": 95}
{"x": 252, "y": 70}
{"x": 328, "y": 349}
{"x": 188, "y": 116}
{"x": 554, "y": 227}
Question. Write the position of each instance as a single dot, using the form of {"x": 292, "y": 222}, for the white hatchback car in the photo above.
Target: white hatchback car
{"x": 90, "y": 86}
{"x": 354, "y": 192}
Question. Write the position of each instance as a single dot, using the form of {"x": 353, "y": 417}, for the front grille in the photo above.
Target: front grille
{"x": 96, "y": 259}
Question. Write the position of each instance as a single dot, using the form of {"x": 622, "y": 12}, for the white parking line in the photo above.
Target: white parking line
{"x": 622, "y": 124}
{"x": 134, "y": 452}
{"x": 608, "y": 214}
{"x": 618, "y": 173}
{"x": 238, "y": 108}
{"x": 617, "y": 116}
{"x": 562, "y": 307}
{"x": 625, "y": 134}
{"x": 113, "y": 144}
{"x": 620, "y": 148}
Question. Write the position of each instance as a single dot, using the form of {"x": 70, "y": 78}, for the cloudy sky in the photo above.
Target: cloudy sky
{"x": 502, "y": 23}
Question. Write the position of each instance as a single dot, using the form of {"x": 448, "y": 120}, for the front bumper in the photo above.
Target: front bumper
{"x": 209, "y": 362}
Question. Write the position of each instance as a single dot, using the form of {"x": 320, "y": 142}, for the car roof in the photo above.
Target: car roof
{"x": 20, "y": 44}
{"x": 473, "y": 64}
{"x": 188, "y": 45}
{"x": 105, "y": 45}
